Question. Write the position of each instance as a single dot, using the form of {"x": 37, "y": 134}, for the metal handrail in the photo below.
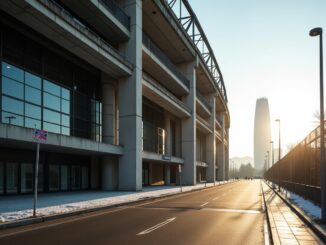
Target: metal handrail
{"x": 67, "y": 16}
{"x": 164, "y": 59}
{"x": 117, "y": 12}
{"x": 152, "y": 81}
{"x": 203, "y": 100}
{"x": 218, "y": 119}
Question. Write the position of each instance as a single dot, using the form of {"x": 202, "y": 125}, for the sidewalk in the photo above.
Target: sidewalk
{"x": 286, "y": 226}
{"x": 16, "y": 208}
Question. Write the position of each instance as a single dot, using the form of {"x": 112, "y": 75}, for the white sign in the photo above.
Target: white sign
{"x": 40, "y": 135}
{"x": 179, "y": 168}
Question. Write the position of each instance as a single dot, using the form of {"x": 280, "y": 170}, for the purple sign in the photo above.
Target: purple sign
{"x": 40, "y": 134}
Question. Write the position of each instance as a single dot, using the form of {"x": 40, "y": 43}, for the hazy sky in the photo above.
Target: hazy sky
{"x": 264, "y": 50}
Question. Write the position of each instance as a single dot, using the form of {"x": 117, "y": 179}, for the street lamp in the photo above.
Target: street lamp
{"x": 272, "y": 142}
{"x": 10, "y": 118}
{"x": 313, "y": 33}
{"x": 279, "y": 153}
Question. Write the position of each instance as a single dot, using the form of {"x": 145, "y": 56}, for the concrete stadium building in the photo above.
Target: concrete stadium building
{"x": 128, "y": 90}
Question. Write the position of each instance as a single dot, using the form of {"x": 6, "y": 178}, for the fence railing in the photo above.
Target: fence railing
{"x": 299, "y": 170}
{"x": 117, "y": 12}
{"x": 69, "y": 18}
{"x": 204, "y": 101}
{"x": 164, "y": 59}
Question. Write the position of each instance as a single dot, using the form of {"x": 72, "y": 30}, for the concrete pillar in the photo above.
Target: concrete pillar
{"x": 108, "y": 110}
{"x": 188, "y": 129}
{"x": 109, "y": 173}
{"x": 167, "y": 175}
{"x": 227, "y": 161}
{"x": 221, "y": 156}
{"x": 94, "y": 171}
{"x": 130, "y": 104}
{"x": 210, "y": 144}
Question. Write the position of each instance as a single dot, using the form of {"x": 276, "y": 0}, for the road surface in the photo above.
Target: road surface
{"x": 226, "y": 214}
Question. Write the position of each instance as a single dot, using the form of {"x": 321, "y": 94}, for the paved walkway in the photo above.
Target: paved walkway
{"x": 286, "y": 226}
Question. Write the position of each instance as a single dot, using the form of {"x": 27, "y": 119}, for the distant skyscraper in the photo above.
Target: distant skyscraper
{"x": 262, "y": 133}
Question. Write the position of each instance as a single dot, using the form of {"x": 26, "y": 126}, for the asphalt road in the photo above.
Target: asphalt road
{"x": 226, "y": 214}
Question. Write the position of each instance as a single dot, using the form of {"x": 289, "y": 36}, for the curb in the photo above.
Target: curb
{"x": 316, "y": 228}
{"x": 30, "y": 221}
{"x": 270, "y": 236}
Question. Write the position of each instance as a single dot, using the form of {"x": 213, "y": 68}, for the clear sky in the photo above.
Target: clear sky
{"x": 264, "y": 50}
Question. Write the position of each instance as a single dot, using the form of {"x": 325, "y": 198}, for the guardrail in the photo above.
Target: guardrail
{"x": 68, "y": 17}
{"x": 117, "y": 12}
{"x": 164, "y": 59}
{"x": 218, "y": 119}
{"x": 155, "y": 84}
{"x": 204, "y": 101}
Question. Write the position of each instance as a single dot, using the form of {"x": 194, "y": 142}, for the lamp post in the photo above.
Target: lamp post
{"x": 313, "y": 33}
{"x": 267, "y": 160}
{"x": 10, "y": 118}
{"x": 279, "y": 153}
{"x": 272, "y": 142}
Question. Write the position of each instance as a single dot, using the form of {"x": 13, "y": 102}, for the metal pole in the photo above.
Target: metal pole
{"x": 272, "y": 142}
{"x": 279, "y": 155}
{"x": 322, "y": 132}
{"x": 36, "y": 178}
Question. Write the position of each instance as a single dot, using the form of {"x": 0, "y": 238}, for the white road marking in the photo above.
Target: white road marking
{"x": 204, "y": 204}
{"x": 155, "y": 227}
{"x": 215, "y": 198}
{"x": 232, "y": 210}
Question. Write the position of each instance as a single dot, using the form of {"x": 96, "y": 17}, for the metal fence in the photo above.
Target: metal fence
{"x": 164, "y": 59}
{"x": 299, "y": 170}
{"x": 117, "y": 12}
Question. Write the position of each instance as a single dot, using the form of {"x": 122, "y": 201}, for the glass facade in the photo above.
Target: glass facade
{"x": 2, "y": 179}
{"x": 33, "y": 102}
{"x": 43, "y": 86}
{"x": 153, "y": 128}
{"x": 57, "y": 172}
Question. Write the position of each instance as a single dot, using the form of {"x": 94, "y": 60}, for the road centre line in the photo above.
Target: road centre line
{"x": 232, "y": 210}
{"x": 155, "y": 227}
{"x": 204, "y": 204}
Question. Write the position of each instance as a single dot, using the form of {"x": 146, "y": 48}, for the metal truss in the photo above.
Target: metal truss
{"x": 184, "y": 14}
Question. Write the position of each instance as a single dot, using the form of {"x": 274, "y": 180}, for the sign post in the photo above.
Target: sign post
{"x": 39, "y": 136}
{"x": 179, "y": 167}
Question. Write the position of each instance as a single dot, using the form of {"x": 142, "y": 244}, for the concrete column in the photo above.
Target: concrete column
{"x": 188, "y": 128}
{"x": 94, "y": 169}
{"x": 227, "y": 161}
{"x": 167, "y": 175}
{"x": 108, "y": 110}
{"x": 210, "y": 144}
{"x": 130, "y": 104}
{"x": 221, "y": 151}
{"x": 109, "y": 173}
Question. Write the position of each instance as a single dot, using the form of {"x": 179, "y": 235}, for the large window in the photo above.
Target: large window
{"x": 153, "y": 128}
{"x": 1, "y": 178}
{"x": 12, "y": 177}
{"x": 26, "y": 178}
{"x": 33, "y": 102}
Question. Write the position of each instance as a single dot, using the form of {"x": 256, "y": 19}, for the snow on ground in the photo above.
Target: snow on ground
{"x": 307, "y": 206}
{"x": 14, "y": 208}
